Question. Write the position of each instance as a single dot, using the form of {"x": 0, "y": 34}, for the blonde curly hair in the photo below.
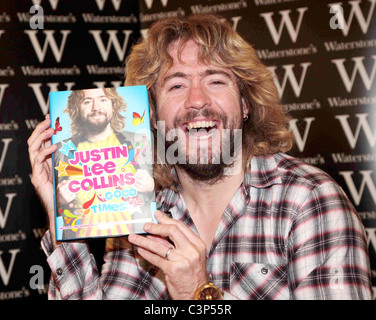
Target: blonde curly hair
{"x": 75, "y": 99}
{"x": 266, "y": 130}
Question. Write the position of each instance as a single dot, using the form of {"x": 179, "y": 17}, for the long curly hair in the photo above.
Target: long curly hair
{"x": 76, "y": 98}
{"x": 266, "y": 130}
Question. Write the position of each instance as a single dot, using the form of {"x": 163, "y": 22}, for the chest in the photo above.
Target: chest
{"x": 248, "y": 259}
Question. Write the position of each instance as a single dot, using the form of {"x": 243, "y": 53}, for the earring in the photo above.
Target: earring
{"x": 245, "y": 119}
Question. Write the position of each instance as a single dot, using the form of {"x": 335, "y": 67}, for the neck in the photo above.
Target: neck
{"x": 207, "y": 202}
{"x": 208, "y": 198}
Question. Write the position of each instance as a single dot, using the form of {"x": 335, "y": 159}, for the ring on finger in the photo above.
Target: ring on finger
{"x": 168, "y": 253}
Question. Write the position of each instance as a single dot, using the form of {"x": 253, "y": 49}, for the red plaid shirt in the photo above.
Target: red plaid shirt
{"x": 289, "y": 232}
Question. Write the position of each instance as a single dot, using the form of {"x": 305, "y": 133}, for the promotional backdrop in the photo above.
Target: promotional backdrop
{"x": 322, "y": 52}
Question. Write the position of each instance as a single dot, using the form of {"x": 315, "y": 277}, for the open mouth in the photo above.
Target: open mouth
{"x": 201, "y": 129}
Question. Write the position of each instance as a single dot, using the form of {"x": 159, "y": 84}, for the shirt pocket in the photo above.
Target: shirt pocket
{"x": 259, "y": 281}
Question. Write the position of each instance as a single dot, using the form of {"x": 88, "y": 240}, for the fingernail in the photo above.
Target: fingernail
{"x": 157, "y": 214}
{"x": 147, "y": 226}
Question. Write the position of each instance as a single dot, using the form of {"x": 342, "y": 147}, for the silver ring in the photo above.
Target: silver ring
{"x": 168, "y": 253}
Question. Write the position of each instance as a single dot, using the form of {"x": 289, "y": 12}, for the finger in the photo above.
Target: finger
{"x": 63, "y": 189}
{"x": 154, "y": 259}
{"x": 40, "y": 158}
{"x": 36, "y": 145}
{"x": 171, "y": 231}
{"x": 139, "y": 181}
{"x": 159, "y": 239}
{"x": 139, "y": 178}
{"x": 158, "y": 247}
{"x": 62, "y": 183}
{"x": 45, "y": 153}
{"x": 140, "y": 188}
{"x": 188, "y": 233}
{"x": 42, "y": 126}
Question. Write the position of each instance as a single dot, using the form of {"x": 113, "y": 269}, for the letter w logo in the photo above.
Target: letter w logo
{"x": 358, "y": 68}
{"x": 4, "y": 152}
{"x": 48, "y": 42}
{"x": 53, "y": 3}
{"x": 149, "y": 3}
{"x": 300, "y": 141}
{"x": 290, "y": 75}
{"x": 4, "y": 216}
{"x": 362, "y": 124}
{"x": 357, "y": 12}
{"x": 4, "y": 273}
{"x": 366, "y": 181}
{"x": 115, "y": 3}
{"x": 112, "y": 42}
{"x": 2, "y": 91}
{"x": 371, "y": 237}
{"x": 43, "y": 103}
{"x": 285, "y": 21}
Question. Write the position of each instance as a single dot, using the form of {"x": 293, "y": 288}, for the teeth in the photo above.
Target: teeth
{"x": 200, "y": 124}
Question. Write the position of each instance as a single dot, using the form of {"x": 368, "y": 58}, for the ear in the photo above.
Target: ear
{"x": 153, "y": 120}
{"x": 245, "y": 108}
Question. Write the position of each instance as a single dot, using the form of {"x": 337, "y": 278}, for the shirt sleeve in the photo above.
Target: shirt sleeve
{"x": 327, "y": 249}
{"x": 74, "y": 273}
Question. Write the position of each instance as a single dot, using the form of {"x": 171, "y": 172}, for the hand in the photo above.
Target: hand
{"x": 185, "y": 268}
{"x": 40, "y": 150}
{"x": 144, "y": 181}
{"x": 63, "y": 194}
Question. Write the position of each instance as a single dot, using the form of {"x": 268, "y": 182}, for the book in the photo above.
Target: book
{"x": 102, "y": 168}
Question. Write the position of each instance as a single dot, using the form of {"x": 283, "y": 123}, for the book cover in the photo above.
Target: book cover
{"x": 103, "y": 174}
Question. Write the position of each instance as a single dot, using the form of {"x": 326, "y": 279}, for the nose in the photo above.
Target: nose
{"x": 94, "y": 104}
{"x": 197, "y": 98}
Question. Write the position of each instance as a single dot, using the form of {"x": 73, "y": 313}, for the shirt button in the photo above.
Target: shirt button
{"x": 59, "y": 271}
{"x": 264, "y": 270}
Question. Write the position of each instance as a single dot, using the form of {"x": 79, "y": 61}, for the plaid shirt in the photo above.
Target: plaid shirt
{"x": 289, "y": 232}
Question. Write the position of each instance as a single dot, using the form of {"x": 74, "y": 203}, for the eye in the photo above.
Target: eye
{"x": 175, "y": 87}
{"x": 217, "y": 82}
{"x": 86, "y": 102}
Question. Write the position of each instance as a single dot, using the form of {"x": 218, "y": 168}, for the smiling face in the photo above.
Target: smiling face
{"x": 95, "y": 110}
{"x": 201, "y": 100}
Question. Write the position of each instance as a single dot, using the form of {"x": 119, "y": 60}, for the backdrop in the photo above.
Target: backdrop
{"x": 322, "y": 52}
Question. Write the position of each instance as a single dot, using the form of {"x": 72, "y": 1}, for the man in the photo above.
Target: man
{"x": 277, "y": 229}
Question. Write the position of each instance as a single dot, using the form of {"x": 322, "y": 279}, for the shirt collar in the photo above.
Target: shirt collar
{"x": 262, "y": 174}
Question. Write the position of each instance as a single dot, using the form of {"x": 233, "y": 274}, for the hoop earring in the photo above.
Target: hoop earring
{"x": 245, "y": 119}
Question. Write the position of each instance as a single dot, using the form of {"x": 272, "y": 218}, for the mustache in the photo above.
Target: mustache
{"x": 96, "y": 113}
{"x": 191, "y": 115}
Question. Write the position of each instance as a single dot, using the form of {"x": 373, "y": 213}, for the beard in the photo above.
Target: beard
{"x": 95, "y": 126}
{"x": 207, "y": 162}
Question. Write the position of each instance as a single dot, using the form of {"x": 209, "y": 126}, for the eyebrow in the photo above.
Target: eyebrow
{"x": 207, "y": 72}
{"x": 91, "y": 98}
